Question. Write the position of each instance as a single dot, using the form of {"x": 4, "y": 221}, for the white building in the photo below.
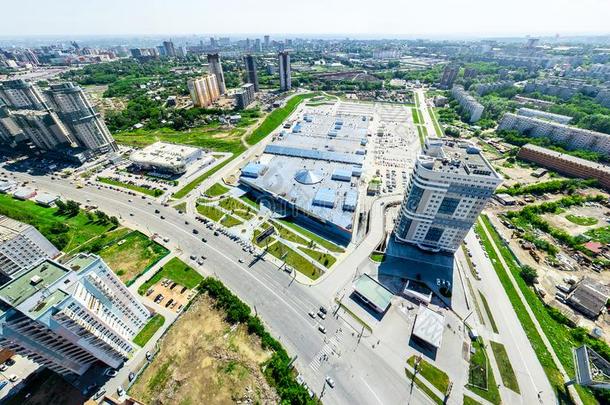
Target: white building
{"x": 21, "y": 246}
{"x": 468, "y": 103}
{"x": 66, "y": 317}
{"x": 571, "y": 137}
{"x": 450, "y": 185}
{"x": 530, "y": 112}
{"x": 166, "y": 157}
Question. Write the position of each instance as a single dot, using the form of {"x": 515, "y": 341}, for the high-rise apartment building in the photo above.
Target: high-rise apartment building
{"x": 21, "y": 246}
{"x": 251, "y": 74}
{"x": 449, "y": 75}
{"x": 450, "y": 185}
{"x": 216, "y": 69}
{"x": 60, "y": 118}
{"x": 267, "y": 43}
{"x": 245, "y": 96}
{"x": 169, "y": 49}
{"x": 22, "y": 95}
{"x": 204, "y": 90}
{"x": 284, "y": 69}
{"x": 83, "y": 121}
{"x": 66, "y": 317}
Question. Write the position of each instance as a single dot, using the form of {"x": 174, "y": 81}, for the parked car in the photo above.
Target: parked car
{"x": 330, "y": 382}
{"x": 312, "y": 314}
{"x": 323, "y": 310}
{"x": 322, "y": 315}
{"x": 131, "y": 376}
{"x": 99, "y": 394}
{"x": 322, "y": 329}
{"x": 120, "y": 391}
{"x": 110, "y": 372}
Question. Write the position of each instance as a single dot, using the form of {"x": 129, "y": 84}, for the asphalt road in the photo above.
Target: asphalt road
{"x": 361, "y": 375}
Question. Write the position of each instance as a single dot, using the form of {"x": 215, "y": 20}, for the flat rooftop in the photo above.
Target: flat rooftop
{"x": 164, "y": 154}
{"x": 374, "y": 292}
{"x": 29, "y": 282}
{"x": 80, "y": 261}
{"x": 9, "y": 228}
{"x": 458, "y": 157}
{"x": 298, "y": 165}
{"x": 429, "y": 326}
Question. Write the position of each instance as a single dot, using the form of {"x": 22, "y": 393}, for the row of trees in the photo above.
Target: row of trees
{"x": 553, "y": 186}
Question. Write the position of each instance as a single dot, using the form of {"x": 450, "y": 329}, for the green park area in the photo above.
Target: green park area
{"x": 216, "y": 190}
{"x": 581, "y": 220}
{"x": 509, "y": 379}
{"x": 416, "y": 116}
{"x": 132, "y": 255}
{"x": 481, "y": 379}
{"x": 66, "y": 230}
{"x": 149, "y": 330}
{"x": 237, "y": 207}
{"x": 210, "y": 212}
{"x": 294, "y": 260}
{"x": 153, "y": 192}
{"x": 434, "y": 375}
{"x": 175, "y": 270}
{"x": 313, "y": 236}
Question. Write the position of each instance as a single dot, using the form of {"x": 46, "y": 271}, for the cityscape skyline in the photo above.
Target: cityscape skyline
{"x": 154, "y": 17}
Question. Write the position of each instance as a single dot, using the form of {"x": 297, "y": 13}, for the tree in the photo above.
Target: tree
{"x": 101, "y": 216}
{"x": 528, "y": 274}
{"x": 72, "y": 208}
{"x": 61, "y": 206}
{"x": 114, "y": 221}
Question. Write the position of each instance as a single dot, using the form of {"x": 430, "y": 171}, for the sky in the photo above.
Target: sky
{"x": 359, "y": 18}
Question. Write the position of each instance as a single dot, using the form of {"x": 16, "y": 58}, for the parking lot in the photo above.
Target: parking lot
{"x": 170, "y": 294}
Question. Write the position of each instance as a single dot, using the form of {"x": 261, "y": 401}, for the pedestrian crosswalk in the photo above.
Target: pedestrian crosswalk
{"x": 330, "y": 349}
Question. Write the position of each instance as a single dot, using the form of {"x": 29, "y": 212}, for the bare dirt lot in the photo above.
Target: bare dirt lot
{"x": 176, "y": 294}
{"x": 203, "y": 360}
{"x": 562, "y": 222}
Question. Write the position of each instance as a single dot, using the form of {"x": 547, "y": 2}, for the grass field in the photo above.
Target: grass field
{"x": 294, "y": 260}
{"x": 494, "y": 327}
{"x": 469, "y": 401}
{"x": 378, "y": 257}
{"x": 420, "y": 133}
{"x": 78, "y": 229}
{"x": 230, "y": 221}
{"x": 237, "y": 207}
{"x": 275, "y": 118}
{"x": 480, "y": 375}
{"x": 175, "y": 270}
{"x": 153, "y": 192}
{"x": 193, "y": 184}
{"x": 181, "y": 207}
{"x": 559, "y": 336}
{"x": 211, "y": 136}
{"x": 315, "y": 237}
{"x": 287, "y": 234}
{"x": 581, "y": 220}
{"x": 424, "y": 388}
{"x": 203, "y": 360}
{"x": 250, "y": 201}
{"x": 149, "y": 330}
{"x": 437, "y": 127}
{"x": 415, "y": 113}
{"x": 509, "y": 379}
{"x": 210, "y": 212}
{"x": 216, "y": 189}
{"x": 434, "y": 375}
{"x": 600, "y": 234}
{"x": 135, "y": 255}
{"x": 324, "y": 259}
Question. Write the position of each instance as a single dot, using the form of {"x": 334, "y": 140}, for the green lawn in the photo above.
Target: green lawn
{"x": 237, "y": 207}
{"x": 581, "y": 220}
{"x": 488, "y": 312}
{"x": 378, "y": 257}
{"x": 133, "y": 257}
{"x": 175, "y": 270}
{"x": 424, "y": 388}
{"x": 149, "y": 330}
{"x": 275, "y": 118}
{"x": 154, "y": 192}
{"x": 315, "y": 237}
{"x": 287, "y": 234}
{"x": 295, "y": 260}
{"x": 433, "y": 374}
{"x": 600, "y": 234}
{"x": 66, "y": 233}
{"x": 216, "y": 190}
{"x": 469, "y": 401}
{"x": 250, "y": 201}
{"x": 480, "y": 375}
{"x": 324, "y": 259}
{"x": 211, "y": 136}
{"x": 509, "y": 379}
{"x": 437, "y": 127}
{"x": 230, "y": 221}
{"x": 210, "y": 212}
{"x": 416, "y": 118}
{"x": 559, "y": 336}
{"x": 420, "y": 133}
{"x": 265, "y": 242}
{"x": 181, "y": 207}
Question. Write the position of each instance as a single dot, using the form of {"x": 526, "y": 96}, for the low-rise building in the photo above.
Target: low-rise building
{"x": 589, "y": 297}
{"x": 166, "y": 157}
{"x": 529, "y": 112}
{"x": 566, "y": 164}
{"x": 570, "y": 137}
{"x": 468, "y": 103}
